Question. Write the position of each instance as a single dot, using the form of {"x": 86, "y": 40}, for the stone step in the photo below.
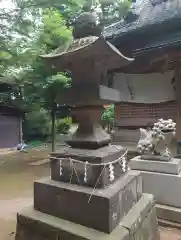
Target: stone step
{"x": 169, "y": 214}
{"x": 139, "y": 223}
{"x": 165, "y": 187}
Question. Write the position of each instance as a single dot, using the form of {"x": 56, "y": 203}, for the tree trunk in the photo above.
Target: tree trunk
{"x": 53, "y": 130}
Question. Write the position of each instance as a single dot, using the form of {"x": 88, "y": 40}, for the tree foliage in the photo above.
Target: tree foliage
{"x": 21, "y": 24}
{"x": 43, "y": 83}
{"x": 108, "y": 11}
{"x": 36, "y": 75}
{"x": 31, "y": 28}
{"x": 107, "y": 118}
{"x": 54, "y": 86}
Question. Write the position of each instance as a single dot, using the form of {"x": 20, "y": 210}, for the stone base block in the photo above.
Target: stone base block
{"x": 101, "y": 209}
{"x": 171, "y": 167}
{"x": 169, "y": 213}
{"x": 156, "y": 158}
{"x": 139, "y": 223}
{"x": 166, "y": 188}
{"x": 75, "y": 171}
{"x": 162, "y": 179}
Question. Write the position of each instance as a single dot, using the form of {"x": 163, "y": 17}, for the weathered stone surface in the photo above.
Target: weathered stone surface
{"x": 71, "y": 202}
{"x": 164, "y": 187}
{"x": 141, "y": 209}
{"x": 155, "y": 158}
{"x": 139, "y": 186}
{"x": 163, "y": 180}
{"x": 92, "y": 95}
{"x": 74, "y": 172}
{"x": 171, "y": 167}
{"x": 89, "y": 134}
{"x": 34, "y": 225}
{"x": 169, "y": 213}
{"x": 141, "y": 220}
{"x": 148, "y": 227}
{"x": 104, "y": 154}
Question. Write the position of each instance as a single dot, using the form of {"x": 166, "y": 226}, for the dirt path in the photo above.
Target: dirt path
{"x": 17, "y": 174}
{"x": 170, "y": 234}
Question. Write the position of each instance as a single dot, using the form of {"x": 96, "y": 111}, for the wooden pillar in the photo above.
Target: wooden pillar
{"x": 178, "y": 108}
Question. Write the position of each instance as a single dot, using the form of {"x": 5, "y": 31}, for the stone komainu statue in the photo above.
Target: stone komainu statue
{"x": 156, "y": 141}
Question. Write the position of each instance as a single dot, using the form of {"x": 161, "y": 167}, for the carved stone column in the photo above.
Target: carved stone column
{"x": 89, "y": 135}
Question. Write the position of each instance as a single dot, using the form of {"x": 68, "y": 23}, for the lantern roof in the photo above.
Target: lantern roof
{"x": 86, "y": 48}
{"x": 88, "y": 44}
{"x": 89, "y": 56}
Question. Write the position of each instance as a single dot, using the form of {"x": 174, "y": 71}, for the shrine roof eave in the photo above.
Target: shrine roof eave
{"x": 158, "y": 49}
{"x": 153, "y": 20}
{"x": 153, "y": 59}
{"x": 150, "y": 29}
{"x": 99, "y": 49}
{"x": 12, "y": 108}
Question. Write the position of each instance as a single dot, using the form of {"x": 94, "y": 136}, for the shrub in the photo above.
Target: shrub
{"x": 63, "y": 125}
{"x": 107, "y": 118}
{"x": 37, "y": 125}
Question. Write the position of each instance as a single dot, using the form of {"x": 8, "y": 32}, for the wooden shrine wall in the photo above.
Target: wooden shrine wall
{"x": 140, "y": 115}
{"x": 129, "y": 117}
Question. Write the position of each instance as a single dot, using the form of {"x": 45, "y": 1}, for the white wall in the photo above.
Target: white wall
{"x": 146, "y": 88}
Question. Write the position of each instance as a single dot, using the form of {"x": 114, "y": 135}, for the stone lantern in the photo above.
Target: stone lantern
{"x": 88, "y": 59}
{"x": 91, "y": 194}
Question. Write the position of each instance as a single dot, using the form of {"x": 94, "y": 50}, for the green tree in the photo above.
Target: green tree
{"x": 55, "y": 85}
{"x": 21, "y": 25}
{"x": 108, "y": 11}
{"x": 36, "y": 72}
{"x": 107, "y": 118}
{"x": 36, "y": 27}
{"x": 40, "y": 82}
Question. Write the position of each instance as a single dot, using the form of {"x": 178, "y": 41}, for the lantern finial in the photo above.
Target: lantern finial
{"x": 86, "y": 25}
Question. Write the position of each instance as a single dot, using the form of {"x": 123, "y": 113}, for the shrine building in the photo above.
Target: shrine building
{"x": 150, "y": 87}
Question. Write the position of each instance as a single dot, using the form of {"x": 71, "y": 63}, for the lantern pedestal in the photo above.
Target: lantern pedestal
{"x": 163, "y": 180}
{"x": 90, "y": 195}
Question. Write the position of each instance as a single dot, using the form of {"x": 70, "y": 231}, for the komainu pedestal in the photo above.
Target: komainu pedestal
{"x": 161, "y": 172}
{"x": 163, "y": 180}
{"x": 90, "y": 195}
